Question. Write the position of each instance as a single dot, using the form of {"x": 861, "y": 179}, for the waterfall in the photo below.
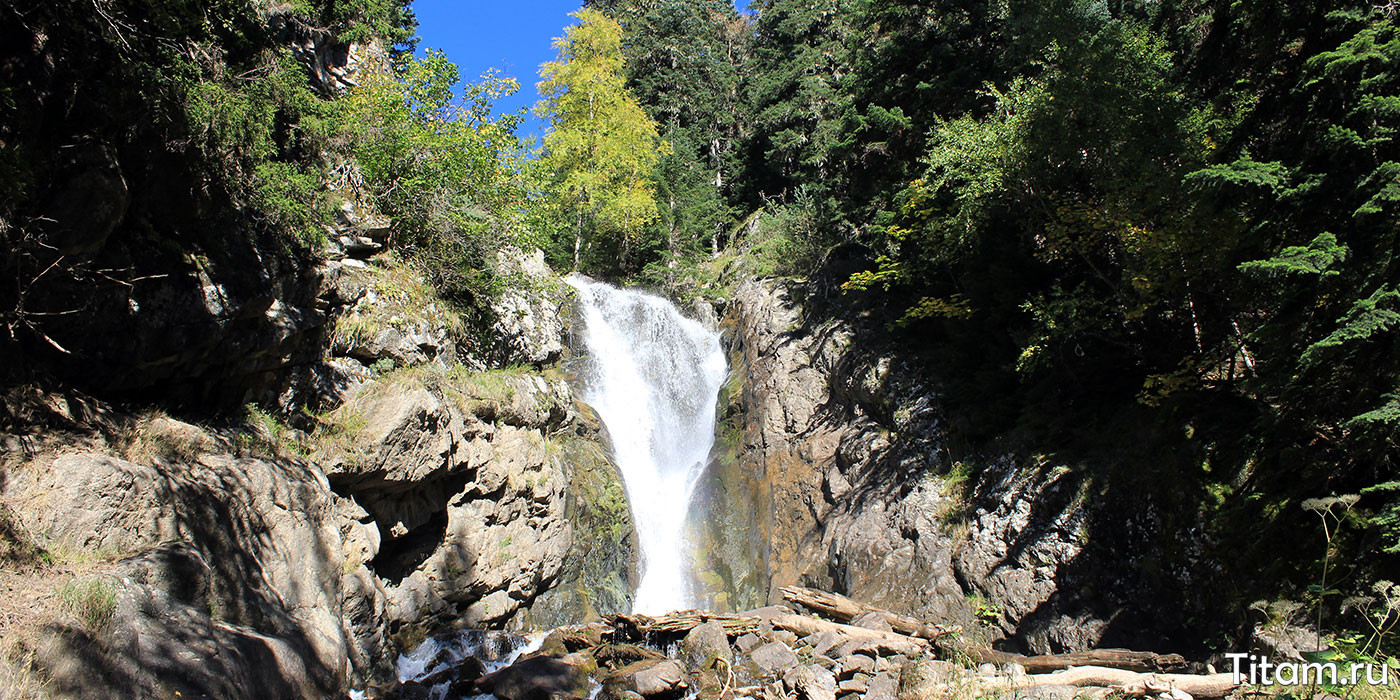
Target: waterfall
{"x": 653, "y": 376}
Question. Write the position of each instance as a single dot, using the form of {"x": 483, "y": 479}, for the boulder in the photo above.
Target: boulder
{"x": 536, "y": 678}
{"x": 649, "y": 678}
{"x": 772, "y": 659}
{"x": 857, "y": 663}
{"x": 882, "y": 686}
{"x": 810, "y": 682}
{"x": 704, "y": 645}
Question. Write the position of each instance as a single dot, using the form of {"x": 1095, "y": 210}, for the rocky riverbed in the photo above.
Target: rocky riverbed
{"x": 771, "y": 652}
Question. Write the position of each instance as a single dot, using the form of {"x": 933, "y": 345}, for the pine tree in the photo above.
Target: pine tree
{"x": 797, "y": 96}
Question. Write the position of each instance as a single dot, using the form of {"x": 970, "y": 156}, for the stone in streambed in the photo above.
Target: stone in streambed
{"x": 810, "y": 682}
{"x": 882, "y": 687}
{"x": 538, "y": 678}
{"x": 653, "y": 678}
{"x": 852, "y": 685}
{"x": 856, "y": 663}
{"x": 705, "y": 645}
{"x": 747, "y": 641}
{"x": 772, "y": 659}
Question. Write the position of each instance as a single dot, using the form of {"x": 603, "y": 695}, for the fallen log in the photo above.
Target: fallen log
{"x": 1127, "y": 682}
{"x": 682, "y": 621}
{"x": 1122, "y": 659}
{"x": 843, "y": 609}
{"x": 878, "y": 641}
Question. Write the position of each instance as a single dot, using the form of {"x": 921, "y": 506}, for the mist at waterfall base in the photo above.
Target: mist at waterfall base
{"x": 653, "y": 376}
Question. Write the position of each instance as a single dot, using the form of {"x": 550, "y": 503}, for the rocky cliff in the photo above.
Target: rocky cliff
{"x": 397, "y": 487}
{"x": 852, "y": 484}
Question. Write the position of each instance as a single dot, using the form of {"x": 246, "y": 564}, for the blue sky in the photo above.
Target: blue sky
{"x": 511, "y": 35}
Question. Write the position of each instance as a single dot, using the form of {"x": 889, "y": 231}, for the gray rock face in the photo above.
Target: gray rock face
{"x": 842, "y": 445}
{"x": 455, "y": 475}
{"x": 846, "y": 507}
{"x": 435, "y": 494}
{"x": 235, "y": 558}
{"x": 529, "y": 327}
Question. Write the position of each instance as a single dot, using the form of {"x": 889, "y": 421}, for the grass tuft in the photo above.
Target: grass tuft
{"x": 91, "y": 600}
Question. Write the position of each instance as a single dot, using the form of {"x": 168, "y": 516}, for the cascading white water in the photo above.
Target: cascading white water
{"x": 654, "y": 376}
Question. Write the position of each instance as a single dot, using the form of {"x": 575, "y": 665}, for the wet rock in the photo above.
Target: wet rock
{"x": 704, "y": 645}
{"x": 537, "y": 678}
{"x": 747, "y": 641}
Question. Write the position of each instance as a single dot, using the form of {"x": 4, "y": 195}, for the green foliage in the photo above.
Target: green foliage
{"x": 1387, "y": 517}
{"x": 797, "y": 100}
{"x": 685, "y": 63}
{"x": 451, "y": 176}
{"x": 790, "y": 240}
{"x": 1182, "y": 212}
{"x": 602, "y": 149}
{"x": 1375, "y": 315}
{"x": 1316, "y": 258}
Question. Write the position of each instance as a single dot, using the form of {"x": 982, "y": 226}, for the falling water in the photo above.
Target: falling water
{"x": 653, "y": 376}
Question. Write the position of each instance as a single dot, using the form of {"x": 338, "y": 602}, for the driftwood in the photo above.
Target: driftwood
{"x": 1129, "y": 683}
{"x": 683, "y": 621}
{"x": 1122, "y": 659}
{"x": 843, "y": 609}
{"x": 862, "y": 639}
